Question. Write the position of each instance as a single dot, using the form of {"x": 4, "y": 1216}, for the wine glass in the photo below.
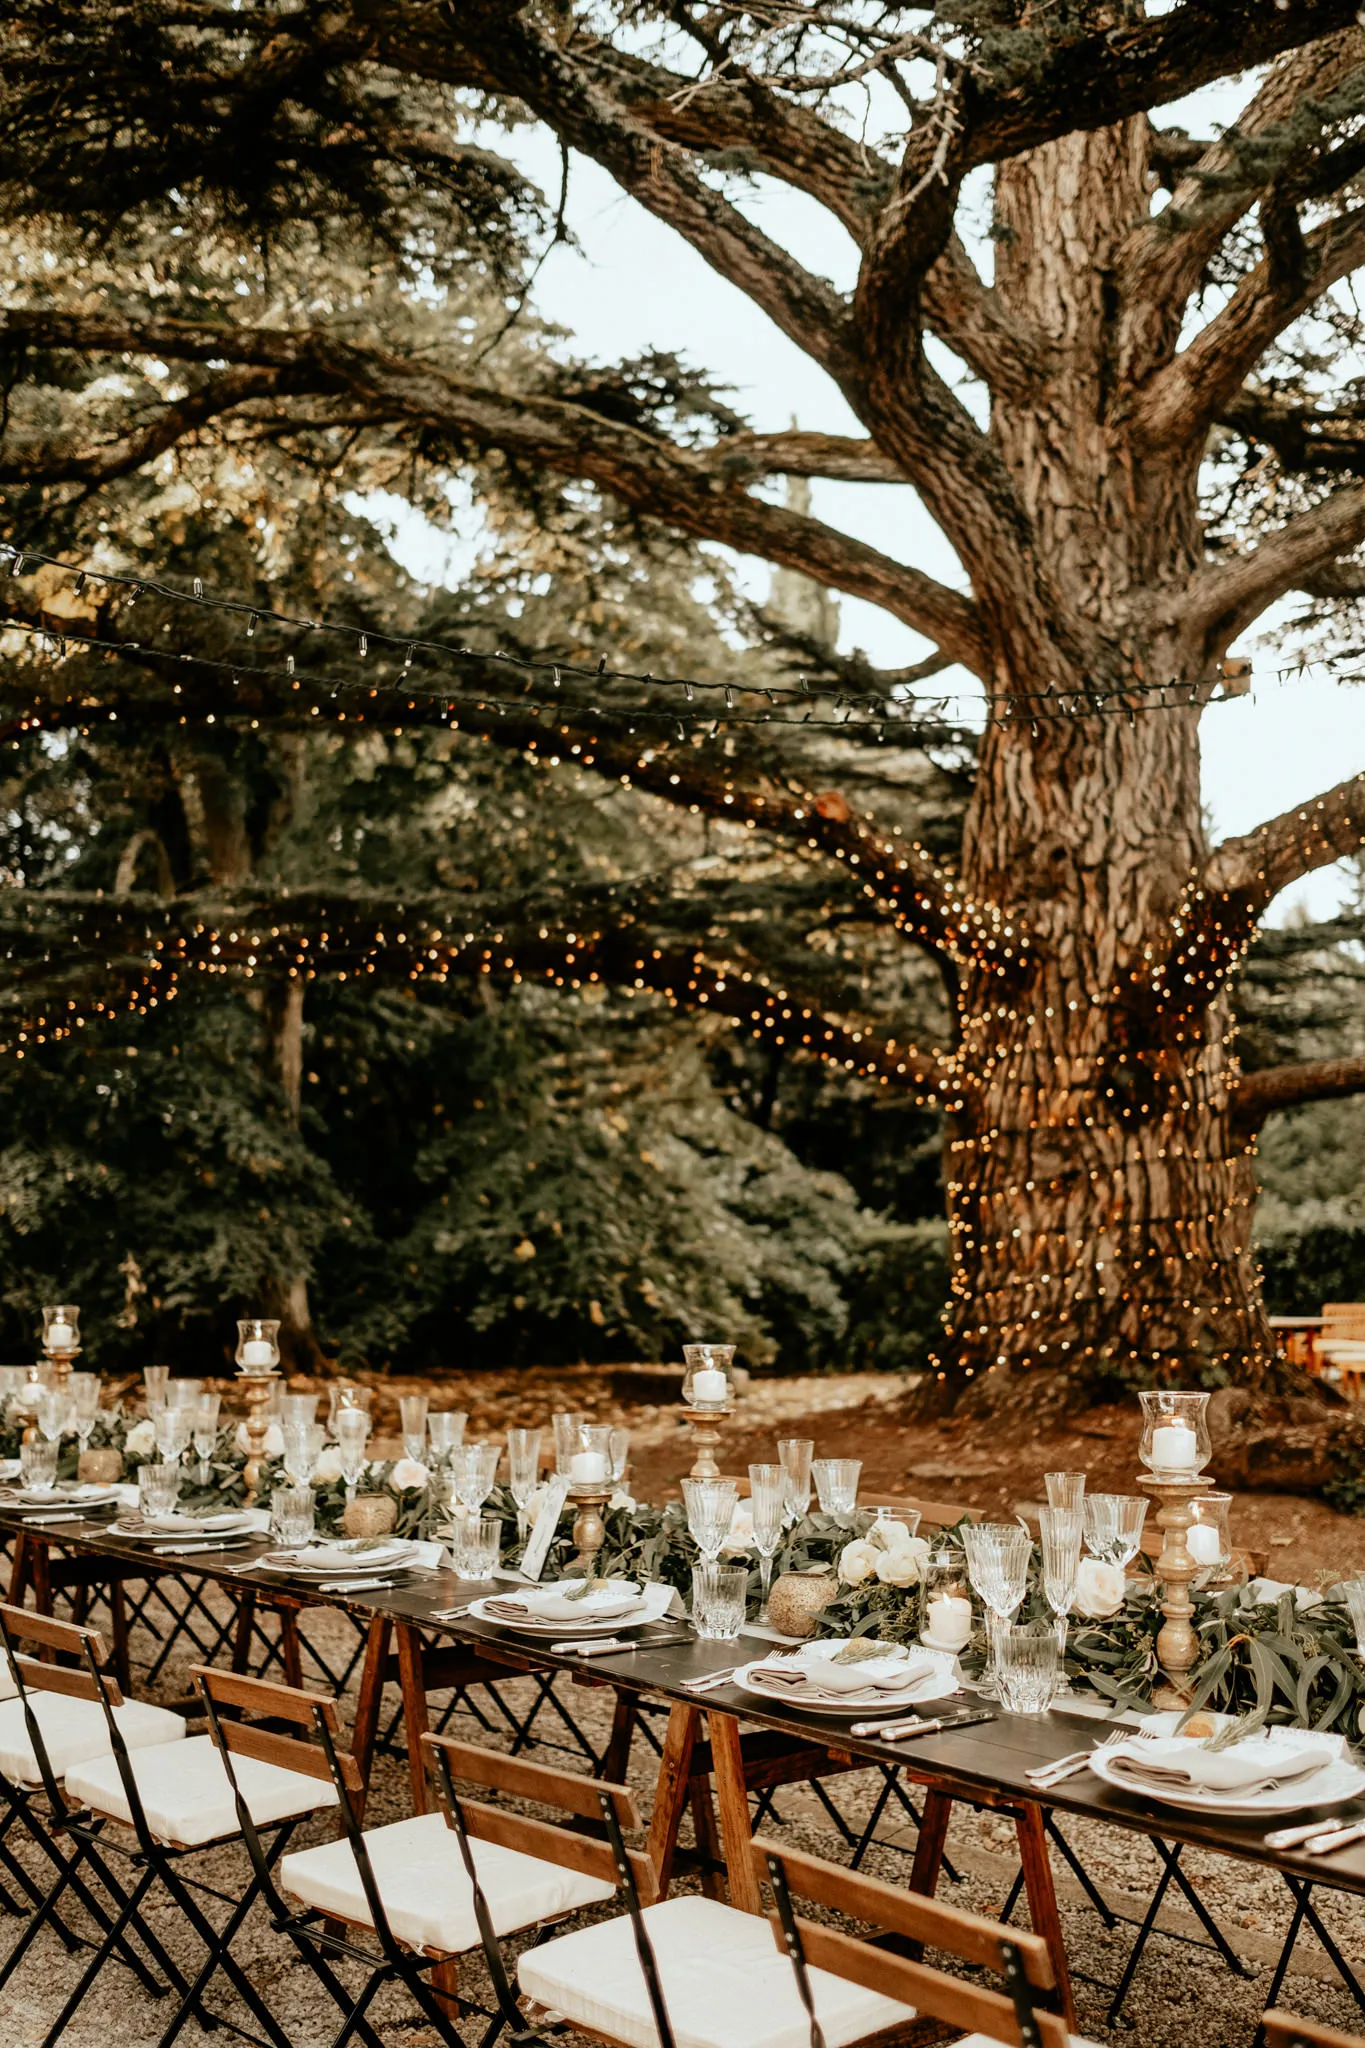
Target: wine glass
{"x": 173, "y": 1430}
{"x": 414, "y": 1412}
{"x": 1113, "y": 1526}
{"x": 352, "y": 1434}
{"x": 204, "y": 1422}
{"x": 84, "y": 1389}
{"x": 54, "y": 1412}
{"x": 1065, "y": 1490}
{"x": 710, "y": 1511}
{"x": 1061, "y": 1541}
{"x": 303, "y": 1442}
{"x": 523, "y": 1468}
{"x": 768, "y": 1502}
{"x": 473, "y": 1468}
{"x": 446, "y": 1430}
{"x": 998, "y": 1556}
{"x": 836, "y": 1484}
{"x": 794, "y": 1455}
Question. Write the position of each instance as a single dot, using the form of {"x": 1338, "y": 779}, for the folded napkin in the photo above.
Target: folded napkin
{"x": 650, "y": 1602}
{"x": 1183, "y": 1761}
{"x": 813, "y": 1669}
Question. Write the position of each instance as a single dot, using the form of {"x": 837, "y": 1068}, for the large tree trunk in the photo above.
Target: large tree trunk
{"x": 1099, "y": 1196}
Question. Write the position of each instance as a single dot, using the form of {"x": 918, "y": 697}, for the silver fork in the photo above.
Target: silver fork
{"x": 1045, "y": 1775}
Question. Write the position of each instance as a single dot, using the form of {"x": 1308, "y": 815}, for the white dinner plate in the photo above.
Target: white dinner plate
{"x": 66, "y": 1496}
{"x": 538, "y": 1625}
{"x": 156, "y": 1528}
{"x": 1331, "y": 1785}
{"x": 331, "y": 1560}
{"x": 939, "y": 1684}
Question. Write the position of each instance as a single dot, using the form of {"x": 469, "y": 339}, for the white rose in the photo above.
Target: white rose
{"x": 140, "y": 1441}
{"x": 274, "y": 1439}
{"x": 328, "y": 1468}
{"x": 903, "y": 1564}
{"x": 1099, "y": 1589}
{"x": 407, "y": 1476}
{"x": 536, "y": 1503}
{"x": 857, "y": 1562}
{"x": 896, "y": 1536}
{"x": 741, "y": 1531}
{"x": 621, "y": 1499}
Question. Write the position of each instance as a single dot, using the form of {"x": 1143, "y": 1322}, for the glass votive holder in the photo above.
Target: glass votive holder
{"x": 158, "y": 1489}
{"x": 1175, "y": 1434}
{"x": 719, "y": 1592}
{"x": 589, "y": 1464}
{"x": 477, "y": 1546}
{"x": 38, "y": 1463}
{"x": 258, "y": 1348}
{"x": 292, "y": 1511}
{"x": 566, "y": 1425}
{"x": 706, "y": 1376}
{"x": 945, "y": 1602}
{"x": 908, "y": 1518}
{"x": 1208, "y": 1539}
{"x": 62, "y": 1330}
{"x": 1026, "y": 1666}
{"x": 836, "y": 1484}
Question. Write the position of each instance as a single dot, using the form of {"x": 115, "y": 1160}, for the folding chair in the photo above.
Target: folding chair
{"x": 408, "y": 1885}
{"x": 52, "y": 1719}
{"x": 157, "y": 1808}
{"x": 1287, "y": 2030}
{"x": 889, "y": 1966}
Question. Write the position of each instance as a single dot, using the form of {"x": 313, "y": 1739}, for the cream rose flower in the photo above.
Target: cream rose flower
{"x": 274, "y": 1439}
{"x": 740, "y": 1536}
{"x": 1099, "y": 1589}
{"x": 408, "y": 1476}
{"x": 903, "y": 1563}
{"x": 140, "y": 1441}
{"x": 857, "y": 1562}
{"x": 328, "y": 1468}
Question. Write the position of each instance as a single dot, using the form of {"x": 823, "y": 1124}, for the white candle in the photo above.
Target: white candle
{"x": 60, "y": 1337}
{"x": 587, "y": 1468}
{"x": 950, "y": 1620}
{"x": 708, "y": 1385}
{"x": 258, "y": 1351}
{"x": 1203, "y": 1543}
{"x": 1174, "y": 1448}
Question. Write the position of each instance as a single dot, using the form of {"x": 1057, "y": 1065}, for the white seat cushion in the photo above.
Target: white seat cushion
{"x": 989, "y": 2041}
{"x": 186, "y": 1794}
{"x": 424, "y": 1887}
{"x": 74, "y": 1730}
{"x": 8, "y": 1688}
{"x": 725, "y": 1982}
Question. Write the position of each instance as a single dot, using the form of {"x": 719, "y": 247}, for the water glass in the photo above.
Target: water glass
{"x": 1352, "y": 1592}
{"x": 414, "y": 1413}
{"x": 1026, "y": 1662}
{"x": 173, "y": 1430}
{"x": 38, "y": 1463}
{"x": 158, "y": 1489}
{"x": 298, "y": 1409}
{"x": 794, "y": 1455}
{"x": 1065, "y": 1490}
{"x": 446, "y": 1430}
{"x": 768, "y": 1503}
{"x": 352, "y": 1434}
{"x": 718, "y": 1597}
{"x": 292, "y": 1509}
{"x": 836, "y": 1484}
{"x": 710, "y": 1510}
{"x": 477, "y": 1546}
{"x": 523, "y": 1469}
{"x": 155, "y": 1380}
{"x": 1113, "y": 1526}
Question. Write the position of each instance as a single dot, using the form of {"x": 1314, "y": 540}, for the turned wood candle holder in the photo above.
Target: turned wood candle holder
{"x": 1177, "y": 1645}
{"x": 705, "y": 1437}
{"x": 589, "y": 1530}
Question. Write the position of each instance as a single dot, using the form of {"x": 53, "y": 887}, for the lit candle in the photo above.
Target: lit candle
{"x": 709, "y": 1384}
{"x": 1203, "y": 1543}
{"x": 258, "y": 1351}
{"x": 60, "y": 1337}
{"x": 587, "y": 1468}
{"x": 950, "y": 1620}
{"x": 1174, "y": 1447}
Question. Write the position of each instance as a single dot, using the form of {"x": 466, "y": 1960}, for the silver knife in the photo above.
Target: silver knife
{"x": 1324, "y": 1844}
{"x": 613, "y": 1646}
{"x": 198, "y": 1549}
{"x": 1290, "y": 1838}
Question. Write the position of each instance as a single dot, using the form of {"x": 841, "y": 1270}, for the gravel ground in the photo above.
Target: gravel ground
{"x": 1182, "y": 1997}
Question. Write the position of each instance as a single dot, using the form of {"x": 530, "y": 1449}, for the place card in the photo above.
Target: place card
{"x": 547, "y": 1522}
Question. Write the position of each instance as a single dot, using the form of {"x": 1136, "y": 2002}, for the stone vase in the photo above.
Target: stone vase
{"x": 798, "y": 1597}
{"x": 369, "y": 1514}
{"x": 100, "y": 1468}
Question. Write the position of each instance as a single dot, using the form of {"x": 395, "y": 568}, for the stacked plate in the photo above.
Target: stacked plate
{"x": 346, "y": 1556}
{"x": 141, "y": 1528}
{"x": 574, "y": 1607}
{"x": 837, "y": 1678}
{"x": 84, "y": 1495}
{"x": 1272, "y": 1770}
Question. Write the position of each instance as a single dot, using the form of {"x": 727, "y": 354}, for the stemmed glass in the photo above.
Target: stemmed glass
{"x": 710, "y": 1511}
{"x": 473, "y": 1468}
{"x": 414, "y": 1411}
{"x": 54, "y": 1413}
{"x": 1061, "y": 1538}
{"x": 155, "y": 1379}
{"x": 768, "y": 1501}
{"x": 352, "y": 1434}
{"x": 1113, "y": 1526}
{"x": 446, "y": 1430}
{"x": 84, "y": 1389}
{"x": 836, "y": 1484}
{"x": 204, "y": 1421}
{"x": 173, "y": 1430}
{"x": 1065, "y": 1490}
{"x": 794, "y": 1454}
{"x": 998, "y": 1556}
{"x": 523, "y": 1470}
{"x": 303, "y": 1442}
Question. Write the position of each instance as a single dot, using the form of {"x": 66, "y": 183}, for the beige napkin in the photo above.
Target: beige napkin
{"x": 1182, "y": 1762}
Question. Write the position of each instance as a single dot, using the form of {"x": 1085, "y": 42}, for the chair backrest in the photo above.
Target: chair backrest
{"x": 315, "y": 1711}
{"x": 84, "y": 1646}
{"x": 904, "y": 1917}
{"x": 584, "y": 1798}
{"x": 1287, "y": 2030}
{"x": 1343, "y": 1319}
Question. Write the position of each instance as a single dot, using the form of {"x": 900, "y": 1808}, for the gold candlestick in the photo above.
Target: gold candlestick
{"x": 256, "y": 1388}
{"x": 1177, "y": 1645}
{"x": 589, "y": 1530}
{"x": 61, "y": 1340}
{"x": 705, "y": 1438}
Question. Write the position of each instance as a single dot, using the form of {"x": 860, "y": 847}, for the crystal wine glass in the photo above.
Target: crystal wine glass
{"x": 473, "y": 1468}
{"x": 768, "y": 1501}
{"x": 523, "y": 1469}
{"x": 173, "y": 1430}
{"x": 836, "y": 1484}
{"x": 84, "y": 1389}
{"x": 352, "y": 1434}
{"x": 998, "y": 1556}
{"x": 1113, "y": 1526}
{"x": 710, "y": 1511}
{"x": 204, "y": 1421}
{"x": 303, "y": 1442}
{"x": 414, "y": 1412}
{"x": 446, "y": 1430}
{"x": 794, "y": 1455}
{"x": 1061, "y": 1539}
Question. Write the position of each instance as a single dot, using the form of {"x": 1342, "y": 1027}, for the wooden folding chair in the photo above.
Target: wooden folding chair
{"x": 890, "y": 1965}
{"x": 1287, "y": 2030}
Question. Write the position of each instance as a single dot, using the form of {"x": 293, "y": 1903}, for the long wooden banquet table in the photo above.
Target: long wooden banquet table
{"x": 716, "y": 1733}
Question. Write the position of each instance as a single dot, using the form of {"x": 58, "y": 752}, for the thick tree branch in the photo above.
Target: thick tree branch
{"x": 651, "y": 475}
{"x": 1222, "y": 600}
{"x": 1252, "y": 869}
{"x": 103, "y": 461}
{"x": 1258, "y": 1095}
{"x": 1306, "y": 438}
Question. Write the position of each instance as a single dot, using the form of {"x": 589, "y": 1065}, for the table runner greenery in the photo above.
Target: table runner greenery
{"x": 1286, "y": 1658}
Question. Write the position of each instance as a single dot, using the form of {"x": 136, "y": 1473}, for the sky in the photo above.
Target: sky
{"x": 631, "y": 284}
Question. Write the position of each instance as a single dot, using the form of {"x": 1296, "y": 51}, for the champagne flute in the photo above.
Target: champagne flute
{"x": 204, "y": 1422}
{"x": 794, "y": 1454}
{"x": 84, "y": 1389}
{"x": 768, "y": 1500}
{"x": 523, "y": 1464}
{"x": 414, "y": 1413}
{"x": 1060, "y": 1530}
{"x": 352, "y": 1434}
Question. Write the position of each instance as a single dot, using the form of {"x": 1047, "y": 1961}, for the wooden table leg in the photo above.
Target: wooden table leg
{"x": 933, "y": 1835}
{"x": 670, "y": 1793}
{"x": 616, "y": 1757}
{"x": 366, "y": 1730}
{"x": 727, "y": 1764}
{"x": 1042, "y": 1899}
{"x": 241, "y": 1633}
{"x": 21, "y": 1569}
{"x": 706, "y": 1828}
{"x": 415, "y": 1721}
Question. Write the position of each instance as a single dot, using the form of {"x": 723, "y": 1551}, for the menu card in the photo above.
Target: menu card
{"x": 547, "y": 1522}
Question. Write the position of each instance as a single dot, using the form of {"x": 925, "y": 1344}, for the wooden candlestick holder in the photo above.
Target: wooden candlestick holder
{"x": 256, "y": 1389}
{"x": 705, "y": 1438}
{"x": 60, "y": 1363}
{"x": 589, "y": 1530}
{"x": 1177, "y": 1645}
